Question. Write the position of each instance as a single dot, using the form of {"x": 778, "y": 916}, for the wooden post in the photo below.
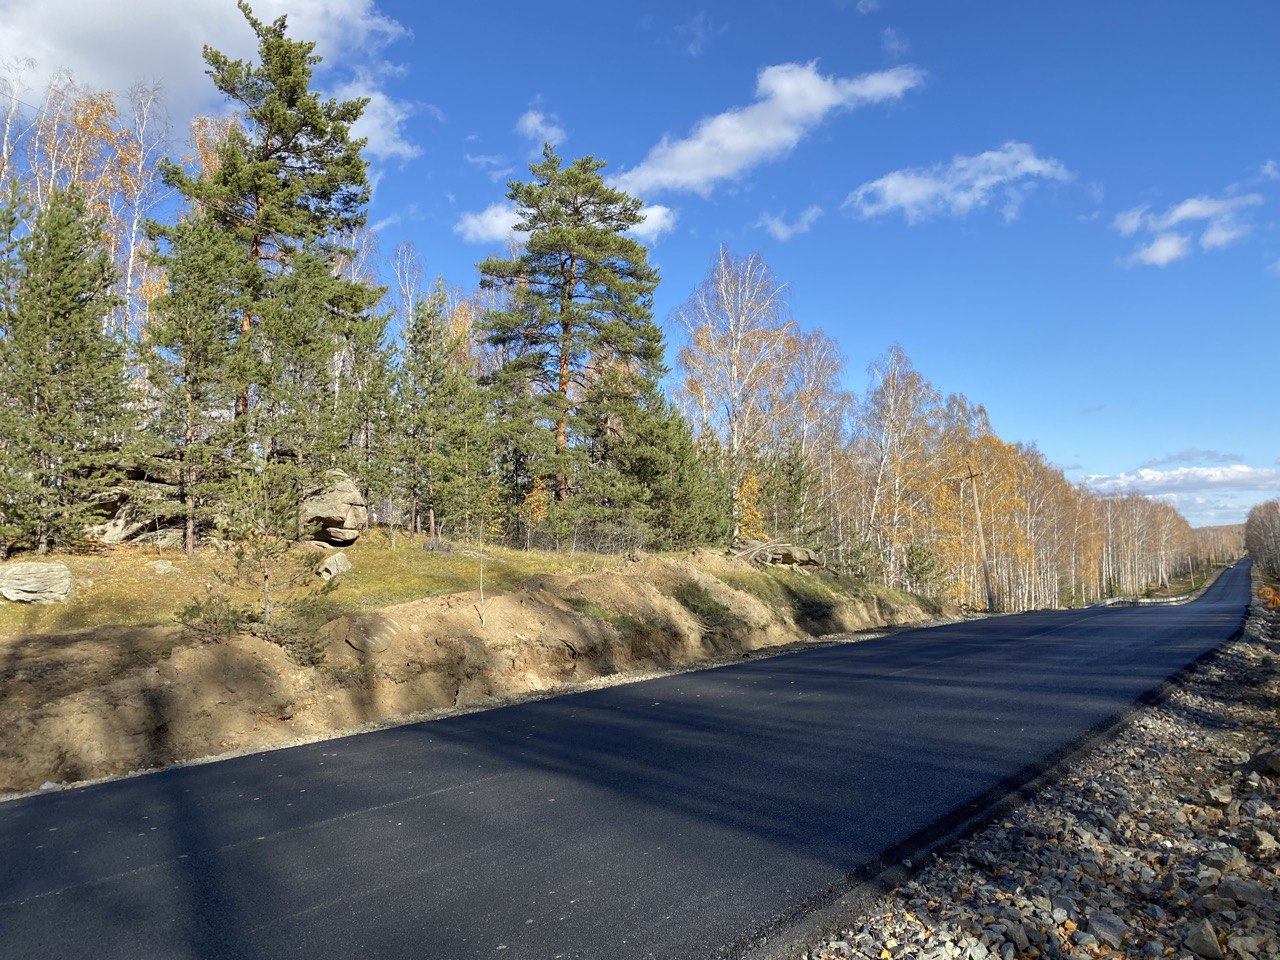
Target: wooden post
{"x": 982, "y": 539}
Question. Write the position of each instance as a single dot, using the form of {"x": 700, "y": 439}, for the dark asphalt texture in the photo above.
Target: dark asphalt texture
{"x": 667, "y": 818}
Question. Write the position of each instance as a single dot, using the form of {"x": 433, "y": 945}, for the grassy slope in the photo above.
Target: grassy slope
{"x": 1183, "y": 585}
{"x": 126, "y": 592}
{"x": 813, "y": 597}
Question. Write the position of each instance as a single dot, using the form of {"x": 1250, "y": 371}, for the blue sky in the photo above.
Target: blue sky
{"x": 1067, "y": 212}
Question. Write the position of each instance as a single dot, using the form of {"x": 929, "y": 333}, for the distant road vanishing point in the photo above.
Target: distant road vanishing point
{"x": 670, "y": 818}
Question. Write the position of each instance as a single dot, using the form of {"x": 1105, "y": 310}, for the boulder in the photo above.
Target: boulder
{"x": 369, "y": 632}
{"x": 780, "y": 554}
{"x": 35, "y": 582}
{"x": 146, "y": 506}
{"x": 336, "y": 513}
{"x": 163, "y": 566}
{"x": 333, "y": 567}
{"x": 795, "y": 556}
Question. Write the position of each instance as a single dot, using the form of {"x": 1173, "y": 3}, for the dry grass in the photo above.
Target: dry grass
{"x": 813, "y": 595}
{"x": 1183, "y": 585}
{"x": 126, "y": 591}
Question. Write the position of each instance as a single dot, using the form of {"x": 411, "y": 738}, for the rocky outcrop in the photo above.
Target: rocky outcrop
{"x": 336, "y": 514}
{"x": 35, "y": 582}
{"x": 144, "y": 507}
{"x": 776, "y": 553}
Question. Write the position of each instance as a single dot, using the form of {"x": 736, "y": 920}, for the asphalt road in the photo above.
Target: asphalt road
{"x": 661, "y": 819}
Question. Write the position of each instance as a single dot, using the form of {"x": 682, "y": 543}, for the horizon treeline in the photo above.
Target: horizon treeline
{"x": 202, "y": 328}
{"x": 1262, "y": 536}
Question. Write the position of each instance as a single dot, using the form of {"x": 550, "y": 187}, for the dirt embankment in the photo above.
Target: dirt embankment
{"x": 94, "y": 703}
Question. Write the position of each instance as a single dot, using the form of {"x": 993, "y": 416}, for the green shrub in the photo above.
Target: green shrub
{"x": 214, "y": 618}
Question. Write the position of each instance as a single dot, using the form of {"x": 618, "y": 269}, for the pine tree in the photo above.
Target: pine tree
{"x": 262, "y": 520}
{"x": 64, "y": 409}
{"x": 581, "y": 301}
{"x": 297, "y": 413}
{"x": 442, "y": 441}
{"x": 191, "y": 367}
{"x": 289, "y": 183}
{"x": 365, "y": 380}
{"x": 288, "y": 186}
{"x": 14, "y": 209}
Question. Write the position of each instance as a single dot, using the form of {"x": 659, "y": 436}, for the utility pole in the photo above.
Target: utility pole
{"x": 972, "y": 477}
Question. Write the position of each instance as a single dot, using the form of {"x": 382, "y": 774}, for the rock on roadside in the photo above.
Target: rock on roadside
{"x": 333, "y": 567}
{"x": 36, "y": 582}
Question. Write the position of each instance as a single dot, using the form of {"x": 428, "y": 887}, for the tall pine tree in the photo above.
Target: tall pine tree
{"x": 579, "y": 309}
{"x": 63, "y": 408}
{"x": 288, "y": 189}
{"x": 290, "y": 183}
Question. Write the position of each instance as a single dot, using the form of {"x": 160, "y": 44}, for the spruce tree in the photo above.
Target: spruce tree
{"x": 65, "y": 415}
{"x": 650, "y": 480}
{"x": 580, "y": 303}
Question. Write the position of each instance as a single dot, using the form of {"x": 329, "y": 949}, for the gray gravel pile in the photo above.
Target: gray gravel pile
{"x": 1163, "y": 842}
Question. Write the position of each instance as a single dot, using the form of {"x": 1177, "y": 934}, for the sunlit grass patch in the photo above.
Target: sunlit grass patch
{"x": 119, "y": 587}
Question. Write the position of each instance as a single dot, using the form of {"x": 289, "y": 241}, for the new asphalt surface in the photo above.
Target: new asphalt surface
{"x": 669, "y": 818}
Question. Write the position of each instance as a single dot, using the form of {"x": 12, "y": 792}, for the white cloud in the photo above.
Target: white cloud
{"x": 1146, "y": 480}
{"x": 959, "y": 186}
{"x": 1163, "y": 250}
{"x": 894, "y": 44}
{"x": 1221, "y": 217}
{"x": 868, "y": 6}
{"x": 1222, "y": 233}
{"x": 1128, "y": 222}
{"x": 111, "y": 45}
{"x": 791, "y": 100}
{"x": 382, "y": 123}
{"x": 494, "y": 224}
{"x": 1271, "y": 170}
{"x": 540, "y": 128}
{"x": 779, "y": 229}
{"x": 1203, "y": 208}
{"x": 658, "y": 220}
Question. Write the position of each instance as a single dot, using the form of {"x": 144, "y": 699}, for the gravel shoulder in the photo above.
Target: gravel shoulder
{"x": 1160, "y": 843}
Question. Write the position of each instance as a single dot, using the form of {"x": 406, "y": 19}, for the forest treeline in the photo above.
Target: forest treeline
{"x": 1262, "y": 536}
{"x": 207, "y": 320}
